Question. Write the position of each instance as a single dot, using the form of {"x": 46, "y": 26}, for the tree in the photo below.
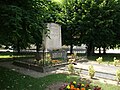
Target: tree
{"x": 23, "y": 22}
{"x": 44, "y": 12}
{"x": 107, "y": 9}
{"x": 97, "y": 22}
{"x": 90, "y": 22}
{"x": 71, "y": 21}
{"x": 15, "y": 23}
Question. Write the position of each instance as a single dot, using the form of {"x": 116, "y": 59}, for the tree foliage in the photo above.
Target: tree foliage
{"x": 23, "y": 22}
{"x": 93, "y": 21}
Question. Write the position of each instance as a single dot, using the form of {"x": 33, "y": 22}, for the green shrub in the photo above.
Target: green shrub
{"x": 115, "y": 61}
{"x": 118, "y": 75}
{"x": 114, "y": 58}
{"x": 91, "y": 71}
{"x": 99, "y": 60}
{"x": 71, "y": 68}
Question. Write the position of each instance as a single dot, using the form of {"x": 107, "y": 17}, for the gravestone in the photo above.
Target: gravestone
{"x": 54, "y": 40}
{"x": 59, "y": 54}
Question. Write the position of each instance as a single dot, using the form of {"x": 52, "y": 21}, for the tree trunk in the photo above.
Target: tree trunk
{"x": 18, "y": 46}
{"x": 38, "y": 55}
{"x": 37, "y": 47}
{"x": 99, "y": 50}
{"x": 90, "y": 50}
{"x": 104, "y": 50}
{"x": 71, "y": 48}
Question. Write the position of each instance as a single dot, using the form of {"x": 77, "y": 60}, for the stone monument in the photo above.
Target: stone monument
{"x": 54, "y": 40}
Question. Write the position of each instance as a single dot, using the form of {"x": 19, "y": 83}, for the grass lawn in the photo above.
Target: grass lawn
{"x": 11, "y": 80}
{"x": 6, "y": 56}
{"x": 107, "y": 86}
{"x": 15, "y": 54}
{"x": 9, "y": 56}
{"x": 106, "y": 57}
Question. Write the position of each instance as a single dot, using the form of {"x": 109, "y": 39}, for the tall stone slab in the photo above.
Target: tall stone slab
{"x": 54, "y": 40}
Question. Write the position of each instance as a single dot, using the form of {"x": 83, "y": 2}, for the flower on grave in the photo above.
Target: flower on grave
{"x": 48, "y": 57}
{"x": 55, "y": 61}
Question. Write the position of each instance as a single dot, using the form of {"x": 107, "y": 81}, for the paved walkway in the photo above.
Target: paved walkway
{"x": 102, "y": 70}
{"x": 110, "y": 69}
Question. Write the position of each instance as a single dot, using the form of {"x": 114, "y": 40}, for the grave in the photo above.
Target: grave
{"x": 59, "y": 55}
{"x": 52, "y": 45}
{"x": 38, "y": 65}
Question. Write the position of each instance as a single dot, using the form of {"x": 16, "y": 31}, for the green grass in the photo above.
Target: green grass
{"x": 11, "y": 80}
{"x": 6, "y": 56}
{"x": 106, "y": 86}
{"x": 106, "y": 57}
{"x": 15, "y": 56}
{"x": 10, "y": 56}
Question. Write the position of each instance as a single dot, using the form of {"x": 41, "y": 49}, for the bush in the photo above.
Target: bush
{"x": 99, "y": 60}
{"x": 118, "y": 75}
{"x": 91, "y": 71}
{"x": 115, "y": 61}
{"x": 71, "y": 68}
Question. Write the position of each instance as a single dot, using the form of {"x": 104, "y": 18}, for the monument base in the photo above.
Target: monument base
{"x": 37, "y": 67}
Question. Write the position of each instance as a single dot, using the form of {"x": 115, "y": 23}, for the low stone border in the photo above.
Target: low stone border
{"x": 37, "y": 67}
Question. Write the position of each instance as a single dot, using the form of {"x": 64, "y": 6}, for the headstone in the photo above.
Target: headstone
{"x": 54, "y": 40}
{"x": 59, "y": 54}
